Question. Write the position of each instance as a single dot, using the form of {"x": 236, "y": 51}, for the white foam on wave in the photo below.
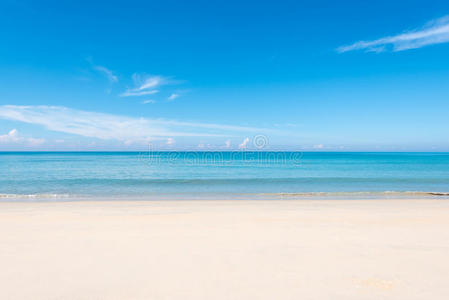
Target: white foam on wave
{"x": 361, "y": 193}
{"x": 34, "y": 196}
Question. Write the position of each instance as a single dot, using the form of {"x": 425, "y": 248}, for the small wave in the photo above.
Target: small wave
{"x": 197, "y": 195}
{"x": 364, "y": 193}
{"x": 34, "y": 196}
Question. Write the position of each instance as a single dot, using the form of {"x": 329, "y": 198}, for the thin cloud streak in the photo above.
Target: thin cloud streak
{"x": 108, "y": 73}
{"x": 148, "y": 101}
{"x": 173, "y": 97}
{"x": 434, "y": 32}
{"x": 138, "y": 93}
{"x": 149, "y": 82}
{"x": 145, "y": 85}
{"x": 114, "y": 127}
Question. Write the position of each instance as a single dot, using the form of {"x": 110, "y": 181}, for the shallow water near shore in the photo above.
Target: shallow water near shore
{"x": 37, "y": 176}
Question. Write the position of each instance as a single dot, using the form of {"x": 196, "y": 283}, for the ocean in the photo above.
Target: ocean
{"x": 34, "y": 176}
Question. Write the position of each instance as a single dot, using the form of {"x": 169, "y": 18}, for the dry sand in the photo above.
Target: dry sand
{"x": 314, "y": 249}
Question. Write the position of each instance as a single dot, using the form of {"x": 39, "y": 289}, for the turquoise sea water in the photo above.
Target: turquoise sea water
{"x": 169, "y": 175}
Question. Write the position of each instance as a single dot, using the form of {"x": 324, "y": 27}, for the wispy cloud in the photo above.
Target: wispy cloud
{"x": 138, "y": 93}
{"x": 146, "y": 85}
{"x": 115, "y": 127}
{"x": 148, "y": 82}
{"x": 150, "y": 101}
{"x": 434, "y": 32}
{"x": 108, "y": 73}
{"x": 173, "y": 97}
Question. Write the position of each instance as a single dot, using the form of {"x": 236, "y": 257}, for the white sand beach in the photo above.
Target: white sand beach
{"x": 280, "y": 249}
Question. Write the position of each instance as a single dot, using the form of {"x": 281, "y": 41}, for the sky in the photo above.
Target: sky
{"x": 224, "y": 75}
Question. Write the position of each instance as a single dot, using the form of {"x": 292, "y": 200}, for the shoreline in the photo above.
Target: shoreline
{"x": 354, "y": 195}
{"x": 230, "y": 249}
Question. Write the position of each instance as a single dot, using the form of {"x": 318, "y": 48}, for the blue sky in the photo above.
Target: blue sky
{"x": 307, "y": 75}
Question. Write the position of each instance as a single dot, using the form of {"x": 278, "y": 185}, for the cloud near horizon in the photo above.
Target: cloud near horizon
{"x": 244, "y": 144}
{"x": 13, "y": 137}
{"x": 434, "y": 32}
{"x": 113, "y": 127}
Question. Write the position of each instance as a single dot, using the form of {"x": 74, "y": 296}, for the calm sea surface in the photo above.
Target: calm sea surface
{"x": 191, "y": 175}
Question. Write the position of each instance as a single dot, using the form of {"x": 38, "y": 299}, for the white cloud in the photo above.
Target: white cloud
{"x": 228, "y": 144}
{"x": 434, "y": 32}
{"x": 148, "y": 101}
{"x": 113, "y": 127}
{"x": 108, "y": 73}
{"x": 146, "y": 85}
{"x": 148, "y": 82}
{"x": 319, "y": 146}
{"x": 244, "y": 144}
{"x": 138, "y": 93}
{"x": 12, "y": 137}
{"x": 170, "y": 141}
{"x": 34, "y": 141}
{"x": 173, "y": 97}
